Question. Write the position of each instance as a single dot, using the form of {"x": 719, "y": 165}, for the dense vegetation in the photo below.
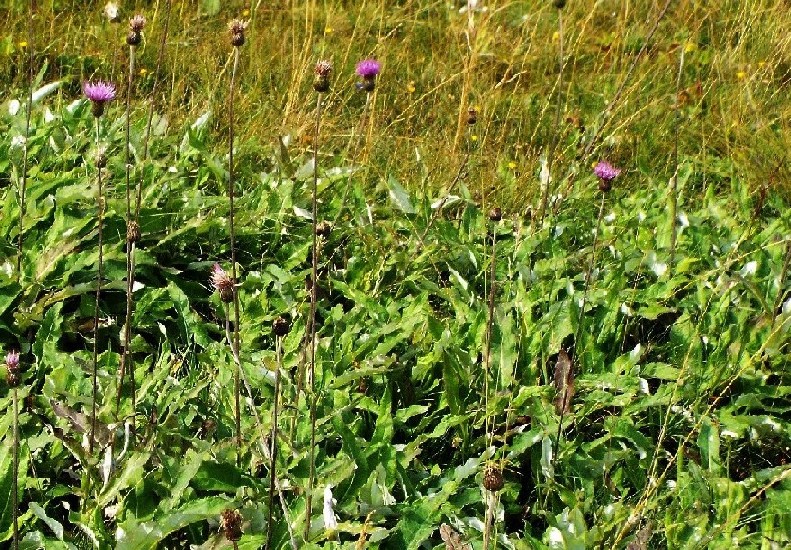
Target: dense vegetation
{"x": 511, "y": 350}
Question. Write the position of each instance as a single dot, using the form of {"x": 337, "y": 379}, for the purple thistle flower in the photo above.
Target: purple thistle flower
{"x": 606, "y": 171}
{"x": 222, "y": 283}
{"x": 12, "y": 360}
{"x": 98, "y": 93}
{"x": 368, "y": 68}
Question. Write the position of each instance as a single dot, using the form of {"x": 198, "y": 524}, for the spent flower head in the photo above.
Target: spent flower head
{"x": 111, "y": 12}
{"x": 606, "y": 172}
{"x": 237, "y": 27}
{"x": 98, "y": 93}
{"x": 323, "y": 70}
{"x": 222, "y": 283}
{"x": 136, "y": 24}
{"x": 231, "y": 524}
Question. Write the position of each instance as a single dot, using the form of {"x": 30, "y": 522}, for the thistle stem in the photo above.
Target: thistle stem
{"x": 130, "y": 250}
{"x": 15, "y": 476}
{"x": 491, "y": 501}
{"x": 235, "y": 342}
{"x": 273, "y": 441}
{"x": 489, "y": 325}
{"x": 100, "y": 201}
{"x": 674, "y": 180}
{"x": 312, "y": 321}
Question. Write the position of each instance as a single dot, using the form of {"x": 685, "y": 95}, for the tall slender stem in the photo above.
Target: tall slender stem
{"x": 312, "y": 321}
{"x": 674, "y": 180}
{"x": 235, "y": 343}
{"x": 489, "y": 324}
{"x": 556, "y": 130}
{"x": 23, "y": 186}
{"x": 100, "y": 202}
{"x": 126, "y": 360}
{"x": 273, "y": 440}
{"x": 15, "y": 476}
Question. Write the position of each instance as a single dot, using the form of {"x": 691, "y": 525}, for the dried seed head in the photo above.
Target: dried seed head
{"x": 281, "y": 325}
{"x": 564, "y": 383}
{"x": 137, "y": 23}
{"x": 472, "y": 116}
{"x": 111, "y": 12}
{"x": 493, "y": 479}
{"x": 133, "y": 38}
{"x": 559, "y": 4}
{"x": 237, "y": 28}
{"x": 132, "y": 232}
{"x": 323, "y": 70}
{"x": 231, "y": 523}
{"x": 323, "y": 229}
{"x": 495, "y": 214}
{"x": 222, "y": 283}
{"x": 101, "y": 157}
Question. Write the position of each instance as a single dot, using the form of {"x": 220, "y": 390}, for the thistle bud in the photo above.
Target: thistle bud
{"x": 559, "y": 4}
{"x": 12, "y": 365}
{"x": 493, "y": 479}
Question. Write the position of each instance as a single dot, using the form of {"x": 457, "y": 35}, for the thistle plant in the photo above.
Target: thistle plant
{"x": 367, "y": 70}
{"x": 14, "y": 379}
{"x": 237, "y": 31}
{"x": 321, "y": 85}
{"x": 133, "y": 39}
{"x": 99, "y": 94}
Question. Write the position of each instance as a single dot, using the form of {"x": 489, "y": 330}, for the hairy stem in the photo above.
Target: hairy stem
{"x": 235, "y": 344}
{"x": 312, "y": 321}
{"x": 100, "y": 275}
{"x": 130, "y": 248}
{"x": 15, "y": 475}
{"x": 273, "y": 441}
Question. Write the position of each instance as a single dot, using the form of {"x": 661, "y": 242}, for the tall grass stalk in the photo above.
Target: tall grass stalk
{"x": 674, "y": 180}
{"x": 99, "y": 276}
{"x": 23, "y": 185}
{"x": 556, "y": 131}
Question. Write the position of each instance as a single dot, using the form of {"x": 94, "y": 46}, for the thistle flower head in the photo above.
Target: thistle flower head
{"x": 98, "y": 93}
{"x": 12, "y": 360}
{"x": 237, "y": 27}
{"x": 222, "y": 283}
{"x": 323, "y": 70}
{"x": 368, "y": 68}
{"x": 12, "y": 364}
{"x": 137, "y": 23}
{"x": 606, "y": 171}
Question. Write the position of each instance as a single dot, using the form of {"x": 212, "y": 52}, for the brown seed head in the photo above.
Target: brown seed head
{"x": 236, "y": 28}
{"x": 493, "y": 479}
{"x": 281, "y": 325}
{"x": 495, "y": 214}
{"x": 472, "y": 116}
{"x": 559, "y": 4}
{"x": 132, "y": 232}
{"x": 231, "y": 523}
